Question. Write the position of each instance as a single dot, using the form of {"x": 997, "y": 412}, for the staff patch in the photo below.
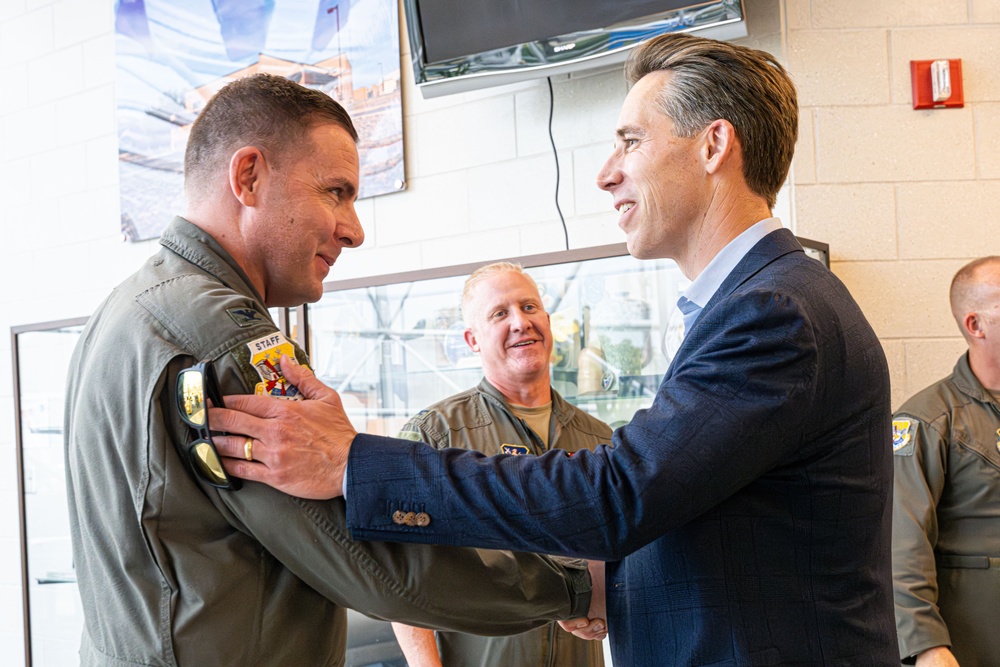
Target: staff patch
{"x": 902, "y": 435}
{"x": 265, "y": 357}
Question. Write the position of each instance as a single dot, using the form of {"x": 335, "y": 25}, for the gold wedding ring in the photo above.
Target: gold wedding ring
{"x": 248, "y": 449}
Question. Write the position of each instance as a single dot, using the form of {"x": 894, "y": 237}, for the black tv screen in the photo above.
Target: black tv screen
{"x": 456, "y": 28}
{"x": 459, "y": 45}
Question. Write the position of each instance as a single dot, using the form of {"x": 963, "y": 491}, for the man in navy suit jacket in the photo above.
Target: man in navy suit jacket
{"x": 745, "y": 516}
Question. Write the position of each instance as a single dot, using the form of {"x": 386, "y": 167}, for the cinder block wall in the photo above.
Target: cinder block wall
{"x": 903, "y": 197}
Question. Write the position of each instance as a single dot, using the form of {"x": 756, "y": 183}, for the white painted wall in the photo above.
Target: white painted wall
{"x": 903, "y": 197}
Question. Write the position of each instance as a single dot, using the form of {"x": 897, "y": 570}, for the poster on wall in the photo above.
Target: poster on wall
{"x": 173, "y": 55}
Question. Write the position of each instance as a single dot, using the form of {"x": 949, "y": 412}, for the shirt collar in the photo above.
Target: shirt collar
{"x": 201, "y": 249}
{"x": 708, "y": 281}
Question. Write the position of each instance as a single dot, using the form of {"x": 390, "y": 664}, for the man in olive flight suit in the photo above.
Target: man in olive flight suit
{"x": 946, "y": 512}
{"x": 514, "y": 410}
{"x": 175, "y": 571}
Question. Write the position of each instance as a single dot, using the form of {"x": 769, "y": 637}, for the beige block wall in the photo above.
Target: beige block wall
{"x": 903, "y": 197}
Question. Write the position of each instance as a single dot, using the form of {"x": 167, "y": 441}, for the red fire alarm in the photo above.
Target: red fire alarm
{"x": 937, "y": 84}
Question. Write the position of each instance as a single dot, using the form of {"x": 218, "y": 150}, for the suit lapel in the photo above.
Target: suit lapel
{"x": 776, "y": 244}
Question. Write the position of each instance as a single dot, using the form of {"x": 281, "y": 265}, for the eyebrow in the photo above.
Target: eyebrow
{"x": 628, "y": 129}
{"x": 346, "y": 186}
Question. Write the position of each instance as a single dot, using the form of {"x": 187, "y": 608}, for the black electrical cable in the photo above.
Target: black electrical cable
{"x": 555, "y": 154}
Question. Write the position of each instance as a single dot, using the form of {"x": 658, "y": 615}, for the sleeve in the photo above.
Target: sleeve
{"x": 731, "y": 409}
{"x": 426, "y": 426}
{"x": 467, "y": 590}
{"x": 920, "y": 468}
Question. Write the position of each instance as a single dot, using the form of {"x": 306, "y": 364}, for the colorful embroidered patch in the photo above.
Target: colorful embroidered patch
{"x": 244, "y": 317}
{"x": 514, "y": 450}
{"x": 265, "y": 357}
{"x": 900, "y": 434}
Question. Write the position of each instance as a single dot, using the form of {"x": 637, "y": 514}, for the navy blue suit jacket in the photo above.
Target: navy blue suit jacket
{"x": 746, "y": 514}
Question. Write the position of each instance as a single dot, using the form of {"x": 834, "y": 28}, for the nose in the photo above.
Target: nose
{"x": 610, "y": 174}
{"x": 349, "y": 231}
{"x": 519, "y": 321}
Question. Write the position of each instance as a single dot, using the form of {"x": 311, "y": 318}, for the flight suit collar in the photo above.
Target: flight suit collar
{"x": 560, "y": 408}
{"x": 967, "y": 382}
{"x": 199, "y": 247}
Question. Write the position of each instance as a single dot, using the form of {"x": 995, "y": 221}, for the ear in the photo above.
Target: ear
{"x": 973, "y": 327}
{"x": 247, "y": 170}
{"x": 720, "y": 144}
{"x": 470, "y": 340}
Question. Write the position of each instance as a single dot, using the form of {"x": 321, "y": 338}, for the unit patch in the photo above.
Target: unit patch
{"x": 902, "y": 435}
{"x": 265, "y": 355}
{"x": 514, "y": 450}
{"x": 244, "y": 317}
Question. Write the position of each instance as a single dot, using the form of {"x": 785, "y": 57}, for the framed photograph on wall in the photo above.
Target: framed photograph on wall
{"x": 172, "y": 56}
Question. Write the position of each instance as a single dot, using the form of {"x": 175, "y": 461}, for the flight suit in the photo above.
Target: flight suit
{"x": 481, "y": 419}
{"x": 946, "y": 520}
{"x": 173, "y": 571}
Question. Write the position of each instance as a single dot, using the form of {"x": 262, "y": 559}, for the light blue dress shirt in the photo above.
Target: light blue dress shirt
{"x": 704, "y": 287}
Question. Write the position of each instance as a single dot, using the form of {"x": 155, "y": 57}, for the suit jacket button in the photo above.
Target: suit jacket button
{"x": 410, "y": 519}
{"x": 398, "y": 517}
{"x": 423, "y": 518}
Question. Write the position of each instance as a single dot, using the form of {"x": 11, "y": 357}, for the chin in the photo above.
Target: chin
{"x": 312, "y": 297}
{"x": 635, "y": 249}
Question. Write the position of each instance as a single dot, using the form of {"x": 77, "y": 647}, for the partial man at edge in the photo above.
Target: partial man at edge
{"x": 513, "y": 410}
{"x": 946, "y": 505}
{"x": 175, "y": 571}
{"x": 745, "y": 516}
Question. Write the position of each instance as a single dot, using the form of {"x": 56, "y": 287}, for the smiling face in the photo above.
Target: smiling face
{"x": 509, "y": 328}
{"x": 656, "y": 177}
{"x": 305, "y": 216}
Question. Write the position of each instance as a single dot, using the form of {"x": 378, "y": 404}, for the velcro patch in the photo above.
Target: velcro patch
{"x": 902, "y": 437}
{"x": 514, "y": 450}
{"x": 265, "y": 358}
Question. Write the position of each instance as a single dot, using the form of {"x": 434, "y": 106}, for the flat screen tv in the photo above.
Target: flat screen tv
{"x": 460, "y": 45}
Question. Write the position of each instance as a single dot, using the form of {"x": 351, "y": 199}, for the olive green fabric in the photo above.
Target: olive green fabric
{"x": 175, "y": 572}
{"x": 481, "y": 419}
{"x": 946, "y": 520}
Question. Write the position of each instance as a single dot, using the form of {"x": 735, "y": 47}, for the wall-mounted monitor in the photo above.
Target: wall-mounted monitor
{"x": 460, "y": 45}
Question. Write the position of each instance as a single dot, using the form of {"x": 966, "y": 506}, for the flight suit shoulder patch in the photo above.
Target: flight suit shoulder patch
{"x": 902, "y": 436}
{"x": 260, "y": 364}
{"x": 413, "y": 436}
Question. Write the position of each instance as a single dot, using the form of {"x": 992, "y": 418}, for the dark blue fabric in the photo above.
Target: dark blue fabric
{"x": 746, "y": 512}
{"x": 690, "y": 310}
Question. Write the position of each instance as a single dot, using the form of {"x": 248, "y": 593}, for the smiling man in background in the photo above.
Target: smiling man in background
{"x": 514, "y": 410}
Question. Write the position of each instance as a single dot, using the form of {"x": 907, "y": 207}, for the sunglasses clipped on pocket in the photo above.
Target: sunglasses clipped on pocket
{"x": 195, "y": 387}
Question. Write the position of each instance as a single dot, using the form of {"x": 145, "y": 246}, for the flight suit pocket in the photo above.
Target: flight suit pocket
{"x": 984, "y": 447}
